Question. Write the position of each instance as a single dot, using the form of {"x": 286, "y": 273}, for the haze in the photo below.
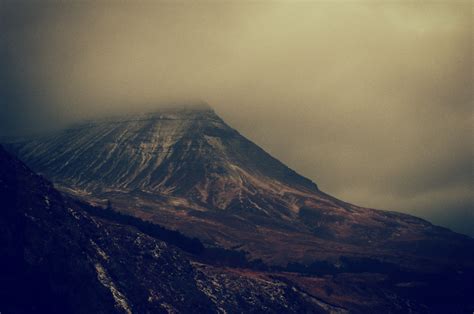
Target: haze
{"x": 370, "y": 100}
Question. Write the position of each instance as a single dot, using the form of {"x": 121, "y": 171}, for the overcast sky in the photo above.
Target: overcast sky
{"x": 372, "y": 100}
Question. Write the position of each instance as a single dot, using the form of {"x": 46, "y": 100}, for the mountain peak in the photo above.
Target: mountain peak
{"x": 188, "y": 111}
{"x": 196, "y": 106}
{"x": 189, "y": 107}
{"x": 182, "y": 151}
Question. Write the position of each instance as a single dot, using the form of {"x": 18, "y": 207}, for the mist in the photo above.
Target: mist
{"x": 370, "y": 100}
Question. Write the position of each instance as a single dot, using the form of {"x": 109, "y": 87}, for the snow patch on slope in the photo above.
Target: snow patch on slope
{"x": 106, "y": 281}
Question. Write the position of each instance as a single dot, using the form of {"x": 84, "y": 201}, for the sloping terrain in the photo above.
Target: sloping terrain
{"x": 59, "y": 256}
{"x": 58, "y": 259}
{"x": 187, "y": 169}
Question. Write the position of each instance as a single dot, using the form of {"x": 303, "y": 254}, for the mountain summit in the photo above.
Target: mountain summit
{"x": 184, "y": 151}
{"x": 185, "y": 168}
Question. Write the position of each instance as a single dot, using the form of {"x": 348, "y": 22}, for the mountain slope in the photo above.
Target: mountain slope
{"x": 181, "y": 151}
{"x": 56, "y": 258}
{"x": 187, "y": 169}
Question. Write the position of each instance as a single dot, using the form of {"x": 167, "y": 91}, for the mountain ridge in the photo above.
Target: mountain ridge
{"x": 192, "y": 172}
{"x": 187, "y": 130}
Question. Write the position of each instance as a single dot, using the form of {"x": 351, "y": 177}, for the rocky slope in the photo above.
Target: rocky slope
{"x": 189, "y": 152}
{"x": 187, "y": 169}
{"x": 56, "y": 258}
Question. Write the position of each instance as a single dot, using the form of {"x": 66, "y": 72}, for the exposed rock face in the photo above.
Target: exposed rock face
{"x": 58, "y": 259}
{"x": 187, "y": 169}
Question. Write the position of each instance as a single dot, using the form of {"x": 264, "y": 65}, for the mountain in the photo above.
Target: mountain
{"x": 187, "y": 169}
{"x": 188, "y": 153}
{"x": 57, "y": 258}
